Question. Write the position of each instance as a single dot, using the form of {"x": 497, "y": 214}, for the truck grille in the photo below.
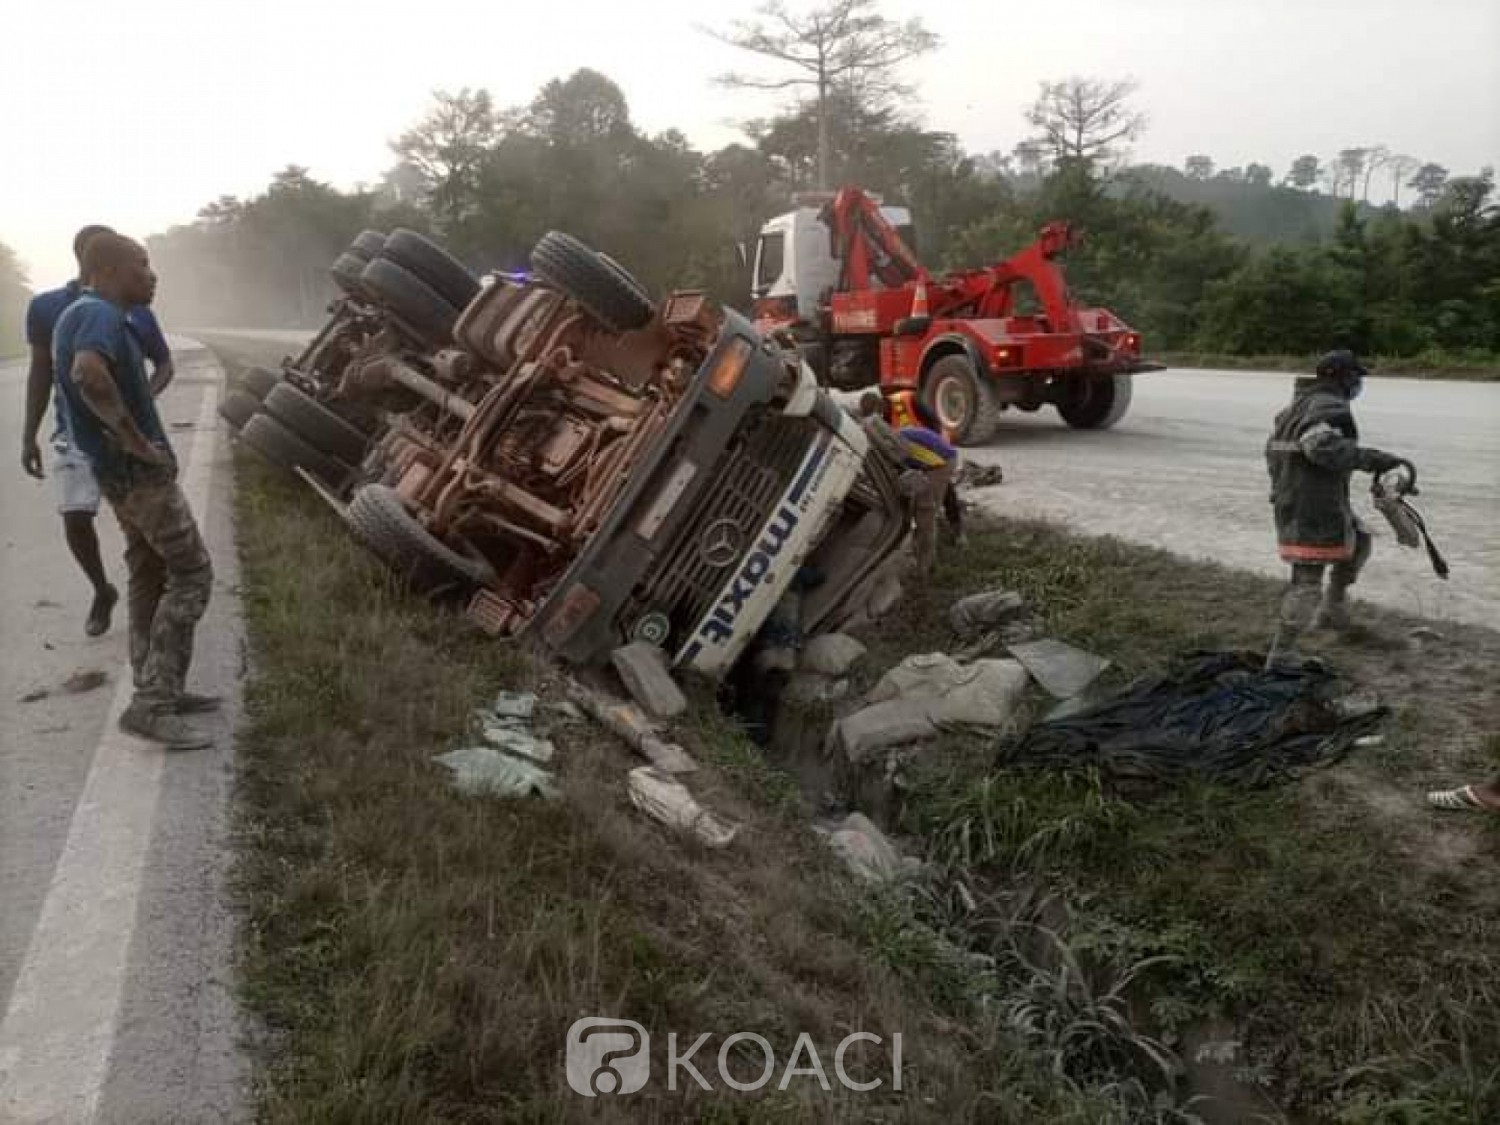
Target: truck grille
{"x": 745, "y": 485}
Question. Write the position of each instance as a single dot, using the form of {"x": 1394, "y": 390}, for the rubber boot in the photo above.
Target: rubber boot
{"x": 1333, "y": 611}
{"x": 1298, "y": 605}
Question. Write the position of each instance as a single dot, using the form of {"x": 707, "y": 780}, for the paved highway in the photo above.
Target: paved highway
{"x": 116, "y": 1001}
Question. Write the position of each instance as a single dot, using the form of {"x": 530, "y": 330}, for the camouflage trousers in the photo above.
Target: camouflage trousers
{"x": 170, "y": 579}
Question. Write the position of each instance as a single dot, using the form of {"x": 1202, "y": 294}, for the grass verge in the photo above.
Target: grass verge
{"x": 1340, "y": 934}
{"x": 415, "y": 955}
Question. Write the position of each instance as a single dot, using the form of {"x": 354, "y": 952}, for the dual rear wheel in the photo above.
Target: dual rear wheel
{"x": 966, "y": 403}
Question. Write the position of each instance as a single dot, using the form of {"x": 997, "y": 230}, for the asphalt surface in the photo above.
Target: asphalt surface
{"x": 1184, "y": 471}
{"x": 116, "y": 1000}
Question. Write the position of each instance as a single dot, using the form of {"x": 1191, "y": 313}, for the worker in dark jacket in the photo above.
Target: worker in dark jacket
{"x": 1313, "y": 450}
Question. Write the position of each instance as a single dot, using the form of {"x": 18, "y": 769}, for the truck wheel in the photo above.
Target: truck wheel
{"x": 1097, "y": 403}
{"x": 431, "y": 263}
{"x": 367, "y": 245}
{"x": 259, "y": 380}
{"x": 410, "y": 299}
{"x": 603, "y": 289}
{"x": 381, "y": 522}
{"x": 238, "y": 408}
{"x": 310, "y": 419}
{"x": 962, "y": 400}
{"x": 287, "y": 450}
{"x": 346, "y": 271}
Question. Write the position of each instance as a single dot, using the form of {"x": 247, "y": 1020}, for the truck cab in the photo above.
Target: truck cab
{"x": 795, "y": 265}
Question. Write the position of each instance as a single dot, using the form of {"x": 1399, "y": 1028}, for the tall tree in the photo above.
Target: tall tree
{"x": 1199, "y": 166}
{"x": 1030, "y": 158}
{"x": 838, "y": 47}
{"x": 1258, "y": 175}
{"x": 1428, "y": 182}
{"x": 582, "y": 109}
{"x": 1346, "y": 171}
{"x": 448, "y": 147}
{"x": 1305, "y": 171}
{"x": 1399, "y": 167}
{"x": 1376, "y": 158}
{"x": 1086, "y": 121}
{"x": 225, "y": 210}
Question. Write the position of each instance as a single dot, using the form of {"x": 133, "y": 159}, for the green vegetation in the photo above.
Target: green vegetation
{"x": 14, "y": 293}
{"x": 1341, "y": 933}
{"x": 1225, "y": 262}
{"x": 416, "y": 955}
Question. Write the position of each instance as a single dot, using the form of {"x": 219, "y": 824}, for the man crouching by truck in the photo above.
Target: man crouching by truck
{"x": 930, "y": 461}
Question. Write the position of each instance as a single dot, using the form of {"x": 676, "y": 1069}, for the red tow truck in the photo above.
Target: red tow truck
{"x": 838, "y": 275}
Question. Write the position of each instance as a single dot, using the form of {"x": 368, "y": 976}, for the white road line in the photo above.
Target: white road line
{"x": 59, "y": 1031}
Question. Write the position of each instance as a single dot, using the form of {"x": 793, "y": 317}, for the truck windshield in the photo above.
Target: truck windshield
{"x": 768, "y": 261}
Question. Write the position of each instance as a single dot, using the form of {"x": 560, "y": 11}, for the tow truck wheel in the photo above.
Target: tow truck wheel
{"x": 596, "y": 283}
{"x": 447, "y": 276}
{"x": 259, "y": 380}
{"x": 962, "y": 400}
{"x": 380, "y": 521}
{"x": 1098, "y": 403}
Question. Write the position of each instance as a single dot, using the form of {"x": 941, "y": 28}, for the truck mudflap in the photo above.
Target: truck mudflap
{"x": 798, "y": 521}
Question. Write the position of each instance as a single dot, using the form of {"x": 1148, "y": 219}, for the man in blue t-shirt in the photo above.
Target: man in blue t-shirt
{"x": 77, "y": 490}
{"x": 113, "y": 421}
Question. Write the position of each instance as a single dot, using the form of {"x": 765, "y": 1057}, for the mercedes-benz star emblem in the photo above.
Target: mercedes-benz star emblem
{"x": 720, "y": 543}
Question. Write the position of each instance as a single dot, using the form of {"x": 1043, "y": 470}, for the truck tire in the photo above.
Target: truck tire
{"x": 367, "y": 245}
{"x": 629, "y": 278}
{"x": 961, "y": 399}
{"x": 259, "y": 380}
{"x": 346, "y": 271}
{"x": 381, "y": 522}
{"x": 319, "y": 426}
{"x": 603, "y": 289}
{"x": 431, "y": 263}
{"x": 288, "y": 450}
{"x": 401, "y": 292}
{"x": 1100, "y": 403}
{"x": 238, "y": 408}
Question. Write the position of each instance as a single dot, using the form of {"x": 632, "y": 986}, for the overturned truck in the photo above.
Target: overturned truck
{"x": 588, "y": 467}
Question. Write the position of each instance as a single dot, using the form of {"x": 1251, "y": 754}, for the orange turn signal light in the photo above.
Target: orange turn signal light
{"x": 729, "y": 369}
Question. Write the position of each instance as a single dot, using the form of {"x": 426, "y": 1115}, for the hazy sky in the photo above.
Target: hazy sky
{"x": 137, "y": 112}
